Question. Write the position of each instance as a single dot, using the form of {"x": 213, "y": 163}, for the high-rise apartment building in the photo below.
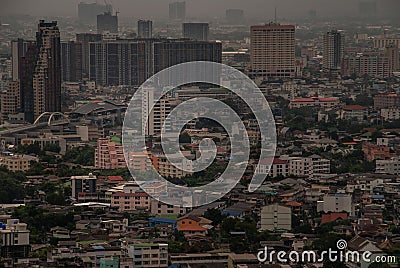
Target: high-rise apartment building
{"x": 84, "y": 39}
{"x": 47, "y": 74}
{"x": 177, "y": 11}
{"x": 10, "y": 100}
{"x": 131, "y": 62}
{"x": 145, "y": 29}
{"x": 333, "y": 50}
{"x": 107, "y": 22}
{"x": 120, "y": 62}
{"x": 195, "y": 31}
{"x": 71, "y": 61}
{"x": 272, "y": 51}
{"x": 19, "y": 48}
{"x": 392, "y": 52}
{"x": 171, "y": 52}
{"x": 154, "y": 113}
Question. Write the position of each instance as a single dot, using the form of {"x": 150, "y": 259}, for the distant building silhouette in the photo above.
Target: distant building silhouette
{"x": 87, "y": 12}
{"x": 196, "y": 31}
{"x": 177, "y": 11}
{"x": 145, "y": 29}
{"x": 107, "y": 23}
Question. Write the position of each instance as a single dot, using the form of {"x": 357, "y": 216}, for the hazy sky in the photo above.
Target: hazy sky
{"x": 200, "y": 8}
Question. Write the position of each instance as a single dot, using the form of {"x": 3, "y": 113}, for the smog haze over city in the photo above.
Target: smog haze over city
{"x": 156, "y": 9}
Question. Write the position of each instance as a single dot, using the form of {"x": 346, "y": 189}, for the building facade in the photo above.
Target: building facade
{"x": 276, "y": 217}
{"x": 272, "y": 51}
{"x": 333, "y": 50}
{"x": 109, "y": 155}
{"x": 145, "y": 29}
{"x": 195, "y": 31}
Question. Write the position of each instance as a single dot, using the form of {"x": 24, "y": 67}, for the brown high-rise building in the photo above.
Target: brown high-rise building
{"x": 10, "y": 100}
{"x": 37, "y": 68}
{"x": 47, "y": 75}
{"x": 272, "y": 51}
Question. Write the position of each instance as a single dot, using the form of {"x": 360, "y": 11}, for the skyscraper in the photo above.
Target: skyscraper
{"x": 18, "y": 48}
{"x": 130, "y": 62}
{"x": 47, "y": 74}
{"x": 107, "y": 22}
{"x": 177, "y": 11}
{"x": 272, "y": 51}
{"x": 26, "y": 69}
{"x": 196, "y": 31}
{"x": 84, "y": 39}
{"x": 120, "y": 62}
{"x": 71, "y": 61}
{"x": 333, "y": 50}
{"x": 392, "y": 52}
{"x": 145, "y": 28}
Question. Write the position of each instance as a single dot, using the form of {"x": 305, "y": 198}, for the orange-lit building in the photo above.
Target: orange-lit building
{"x": 375, "y": 152}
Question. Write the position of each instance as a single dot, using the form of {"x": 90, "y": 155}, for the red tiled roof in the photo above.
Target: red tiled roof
{"x": 115, "y": 178}
{"x": 141, "y": 194}
{"x": 293, "y": 204}
{"x": 333, "y": 217}
{"x": 354, "y": 108}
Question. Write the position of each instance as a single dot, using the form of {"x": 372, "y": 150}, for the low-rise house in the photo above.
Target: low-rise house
{"x": 194, "y": 226}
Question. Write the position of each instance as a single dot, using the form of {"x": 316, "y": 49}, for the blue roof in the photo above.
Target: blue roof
{"x": 378, "y": 196}
{"x": 163, "y": 220}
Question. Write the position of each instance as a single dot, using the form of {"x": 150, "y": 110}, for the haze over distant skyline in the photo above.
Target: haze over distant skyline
{"x": 202, "y": 8}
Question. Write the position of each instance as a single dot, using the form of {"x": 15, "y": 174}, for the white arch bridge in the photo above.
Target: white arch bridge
{"x": 52, "y": 119}
{"x": 46, "y": 119}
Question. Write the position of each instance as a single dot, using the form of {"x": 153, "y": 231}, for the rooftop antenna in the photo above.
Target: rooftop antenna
{"x": 276, "y": 21}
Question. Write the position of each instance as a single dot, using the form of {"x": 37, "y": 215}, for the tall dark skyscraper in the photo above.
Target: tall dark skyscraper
{"x": 145, "y": 28}
{"x": 26, "y": 69}
{"x": 47, "y": 75}
{"x": 85, "y": 39}
{"x": 71, "y": 61}
{"x": 120, "y": 62}
{"x": 107, "y": 23}
{"x": 131, "y": 62}
{"x": 196, "y": 31}
{"x": 234, "y": 16}
{"x": 18, "y": 49}
{"x": 87, "y": 12}
{"x": 177, "y": 11}
{"x": 333, "y": 50}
